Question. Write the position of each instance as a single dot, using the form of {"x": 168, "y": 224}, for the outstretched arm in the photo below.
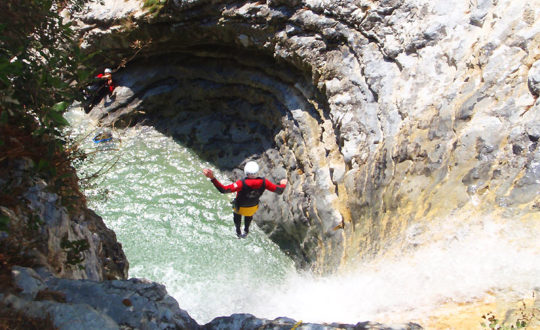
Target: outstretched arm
{"x": 104, "y": 76}
{"x": 208, "y": 173}
{"x": 276, "y": 188}
{"x": 221, "y": 188}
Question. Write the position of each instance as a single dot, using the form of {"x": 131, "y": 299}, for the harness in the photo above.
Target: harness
{"x": 248, "y": 196}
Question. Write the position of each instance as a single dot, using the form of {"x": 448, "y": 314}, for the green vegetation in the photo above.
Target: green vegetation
{"x": 34, "y": 222}
{"x": 4, "y": 220}
{"x": 74, "y": 250}
{"x": 524, "y": 317}
{"x": 42, "y": 71}
{"x": 41, "y": 67}
{"x": 154, "y": 6}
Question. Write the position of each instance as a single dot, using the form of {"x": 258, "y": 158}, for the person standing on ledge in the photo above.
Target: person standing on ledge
{"x": 248, "y": 191}
{"x": 99, "y": 89}
{"x": 107, "y": 77}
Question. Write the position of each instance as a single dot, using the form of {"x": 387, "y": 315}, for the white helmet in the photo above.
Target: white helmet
{"x": 108, "y": 70}
{"x": 251, "y": 168}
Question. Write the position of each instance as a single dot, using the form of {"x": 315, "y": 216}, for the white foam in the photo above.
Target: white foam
{"x": 471, "y": 259}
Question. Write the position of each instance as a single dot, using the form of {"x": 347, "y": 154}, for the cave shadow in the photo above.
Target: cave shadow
{"x": 226, "y": 140}
{"x": 223, "y": 109}
{"x": 227, "y": 108}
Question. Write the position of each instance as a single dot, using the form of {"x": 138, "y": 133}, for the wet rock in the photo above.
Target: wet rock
{"x": 248, "y": 321}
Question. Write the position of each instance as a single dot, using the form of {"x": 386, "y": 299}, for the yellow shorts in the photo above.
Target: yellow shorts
{"x": 246, "y": 211}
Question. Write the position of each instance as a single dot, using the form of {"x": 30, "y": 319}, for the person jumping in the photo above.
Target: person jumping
{"x": 248, "y": 192}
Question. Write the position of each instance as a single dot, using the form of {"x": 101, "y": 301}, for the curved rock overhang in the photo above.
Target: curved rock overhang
{"x": 374, "y": 115}
{"x": 231, "y": 103}
{"x": 230, "y": 106}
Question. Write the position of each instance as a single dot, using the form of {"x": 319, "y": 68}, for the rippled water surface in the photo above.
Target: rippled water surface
{"x": 177, "y": 229}
{"x": 174, "y": 226}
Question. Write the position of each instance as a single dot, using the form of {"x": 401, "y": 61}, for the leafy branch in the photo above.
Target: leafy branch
{"x": 74, "y": 250}
{"x": 525, "y": 318}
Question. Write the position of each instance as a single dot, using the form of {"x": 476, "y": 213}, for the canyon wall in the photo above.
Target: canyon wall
{"x": 70, "y": 240}
{"x": 381, "y": 114}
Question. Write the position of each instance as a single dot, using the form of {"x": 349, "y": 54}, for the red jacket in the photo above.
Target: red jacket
{"x": 258, "y": 185}
{"x": 110, "y": 82}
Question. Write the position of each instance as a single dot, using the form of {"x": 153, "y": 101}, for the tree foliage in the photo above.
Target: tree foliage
{"x": 41, "y": 65}
{"x": 42, "y": 70}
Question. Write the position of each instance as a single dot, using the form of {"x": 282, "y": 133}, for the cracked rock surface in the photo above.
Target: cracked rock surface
{"x": 380, "y": 113}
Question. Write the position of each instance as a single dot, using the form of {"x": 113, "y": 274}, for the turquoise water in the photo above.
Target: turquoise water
{"x": 177, "y": 229}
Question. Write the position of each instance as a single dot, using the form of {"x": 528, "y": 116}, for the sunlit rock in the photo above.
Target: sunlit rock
{"x": 374, "y": 110}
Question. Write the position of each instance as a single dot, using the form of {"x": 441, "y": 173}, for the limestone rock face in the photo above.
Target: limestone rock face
{"x": 74, "y": 245}
{"x": 86, "y": 304}
{"x": 380, "y": 113}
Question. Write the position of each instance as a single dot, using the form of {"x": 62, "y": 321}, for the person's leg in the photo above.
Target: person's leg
{"x": 97, "y": 97}
{"x": 237, "y": 222}
{"x": 247, "y": 222}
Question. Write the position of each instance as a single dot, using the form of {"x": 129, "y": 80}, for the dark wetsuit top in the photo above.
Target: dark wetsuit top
{"x": 248, "y": 191}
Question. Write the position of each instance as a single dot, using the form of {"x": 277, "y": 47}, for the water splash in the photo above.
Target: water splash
{"x": 472, "y": 261}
